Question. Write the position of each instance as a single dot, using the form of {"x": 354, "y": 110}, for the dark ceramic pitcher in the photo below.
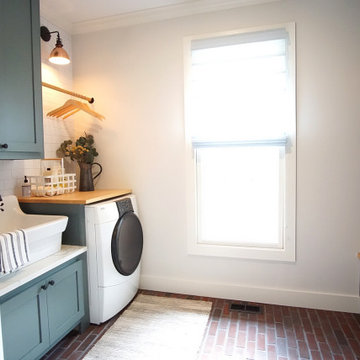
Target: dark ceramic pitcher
{"x": 86, "y": 176}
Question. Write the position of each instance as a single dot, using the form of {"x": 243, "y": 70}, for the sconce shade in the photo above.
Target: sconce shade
{"x": 58, "y": 55}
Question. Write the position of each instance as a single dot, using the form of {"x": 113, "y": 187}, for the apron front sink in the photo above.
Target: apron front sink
{"x": 43, "y": 231}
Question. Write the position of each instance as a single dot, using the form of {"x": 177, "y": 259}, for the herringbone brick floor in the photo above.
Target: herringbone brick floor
{"x": 278, "y": 332}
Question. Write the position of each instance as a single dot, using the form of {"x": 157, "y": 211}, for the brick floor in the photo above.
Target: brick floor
{"x": 278, "y": 332}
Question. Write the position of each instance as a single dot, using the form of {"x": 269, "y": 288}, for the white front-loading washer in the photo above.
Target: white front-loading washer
{"x": 114, "y": 240}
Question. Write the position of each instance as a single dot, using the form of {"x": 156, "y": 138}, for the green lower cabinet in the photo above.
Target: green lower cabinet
{"x": 37, "y": 318}
{"x": 65, "y": 300}
{"x": 23, "y": 319}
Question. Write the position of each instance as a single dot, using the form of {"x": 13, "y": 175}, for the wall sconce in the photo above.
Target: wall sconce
{"x": 58, "y": 55}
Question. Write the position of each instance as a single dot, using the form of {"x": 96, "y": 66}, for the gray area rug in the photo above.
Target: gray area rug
{"x": 155, "y": 328}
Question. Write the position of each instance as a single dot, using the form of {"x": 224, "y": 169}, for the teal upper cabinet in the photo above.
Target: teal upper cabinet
{"x": 21, "y": 125}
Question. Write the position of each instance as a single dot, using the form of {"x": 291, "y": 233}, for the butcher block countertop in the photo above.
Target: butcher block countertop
{"x": 77, "y": 197}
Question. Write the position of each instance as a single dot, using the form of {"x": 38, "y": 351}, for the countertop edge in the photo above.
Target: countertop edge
{"x": 77, "y": 197}
{"x": 12, "y": 281}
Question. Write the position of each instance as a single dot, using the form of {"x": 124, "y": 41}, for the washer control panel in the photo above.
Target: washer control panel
{"x": 124, "y": 206}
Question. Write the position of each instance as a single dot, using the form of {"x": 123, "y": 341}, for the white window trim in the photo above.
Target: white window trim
{"x": 288, "y": 252}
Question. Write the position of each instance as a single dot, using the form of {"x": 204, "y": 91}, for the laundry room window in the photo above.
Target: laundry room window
{"x": 241, "y": 133}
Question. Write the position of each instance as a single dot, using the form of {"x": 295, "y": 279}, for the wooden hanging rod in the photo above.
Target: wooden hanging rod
{"x": 90, "y": 100}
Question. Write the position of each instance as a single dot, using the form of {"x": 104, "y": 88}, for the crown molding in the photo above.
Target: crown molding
{"x": 161, "y": 13}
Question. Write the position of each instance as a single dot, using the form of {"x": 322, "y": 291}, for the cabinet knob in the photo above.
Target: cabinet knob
{"x": 51, "y": 282}
{"x": 4, "y": 146}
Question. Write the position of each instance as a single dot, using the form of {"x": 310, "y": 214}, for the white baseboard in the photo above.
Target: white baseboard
{"x": 288, "y": 297}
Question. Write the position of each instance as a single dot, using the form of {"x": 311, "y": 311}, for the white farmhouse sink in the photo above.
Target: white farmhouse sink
{"x": 43, "y": 231}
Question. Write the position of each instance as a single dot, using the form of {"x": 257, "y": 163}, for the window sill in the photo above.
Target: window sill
{"x": 286, "y": 255}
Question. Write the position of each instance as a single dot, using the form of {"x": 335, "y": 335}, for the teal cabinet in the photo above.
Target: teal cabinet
{"x": 65, "y": 300}
{"x": 23, "y": 319}
{"x": 74, "y": 234}
{"x": 21, "y": 124}
{"x": 35, "y": 319}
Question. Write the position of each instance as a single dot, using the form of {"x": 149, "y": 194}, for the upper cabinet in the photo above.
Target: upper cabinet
{"x": 21, "y": 124}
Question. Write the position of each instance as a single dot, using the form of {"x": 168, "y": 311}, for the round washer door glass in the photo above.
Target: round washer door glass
{"x": 127, "y": 244}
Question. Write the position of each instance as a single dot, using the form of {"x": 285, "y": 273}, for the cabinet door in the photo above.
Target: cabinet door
{"x": 65, "y": 300}
{"x": 21, "y": 127}
{"x": 23, "y": 320}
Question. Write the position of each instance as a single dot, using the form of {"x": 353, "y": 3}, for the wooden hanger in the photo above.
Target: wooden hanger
{"x": 71, "y": 107}
{"x": 62, "y": 109}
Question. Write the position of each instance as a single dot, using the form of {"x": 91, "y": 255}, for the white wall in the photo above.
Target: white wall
{"x": 136, "y": 76}
{"x": 55, "y": 130}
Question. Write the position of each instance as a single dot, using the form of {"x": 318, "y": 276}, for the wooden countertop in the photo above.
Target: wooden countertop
{"x": 77, "y": 197}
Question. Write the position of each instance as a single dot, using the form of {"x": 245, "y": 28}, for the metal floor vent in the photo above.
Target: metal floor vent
{"x": 251, "y": 309}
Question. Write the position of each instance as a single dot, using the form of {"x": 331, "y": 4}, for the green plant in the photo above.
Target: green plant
{"x": 83, "y": 151}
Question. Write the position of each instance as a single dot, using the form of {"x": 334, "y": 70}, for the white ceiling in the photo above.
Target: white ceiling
{"x": 83, "y": 10}
{"x": 78, "y": 16}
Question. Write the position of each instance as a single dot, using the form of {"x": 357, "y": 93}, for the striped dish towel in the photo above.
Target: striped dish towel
{"x": 14, "y": 251}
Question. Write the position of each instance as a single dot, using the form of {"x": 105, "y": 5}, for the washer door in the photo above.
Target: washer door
{"x": 127, "y": 244}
